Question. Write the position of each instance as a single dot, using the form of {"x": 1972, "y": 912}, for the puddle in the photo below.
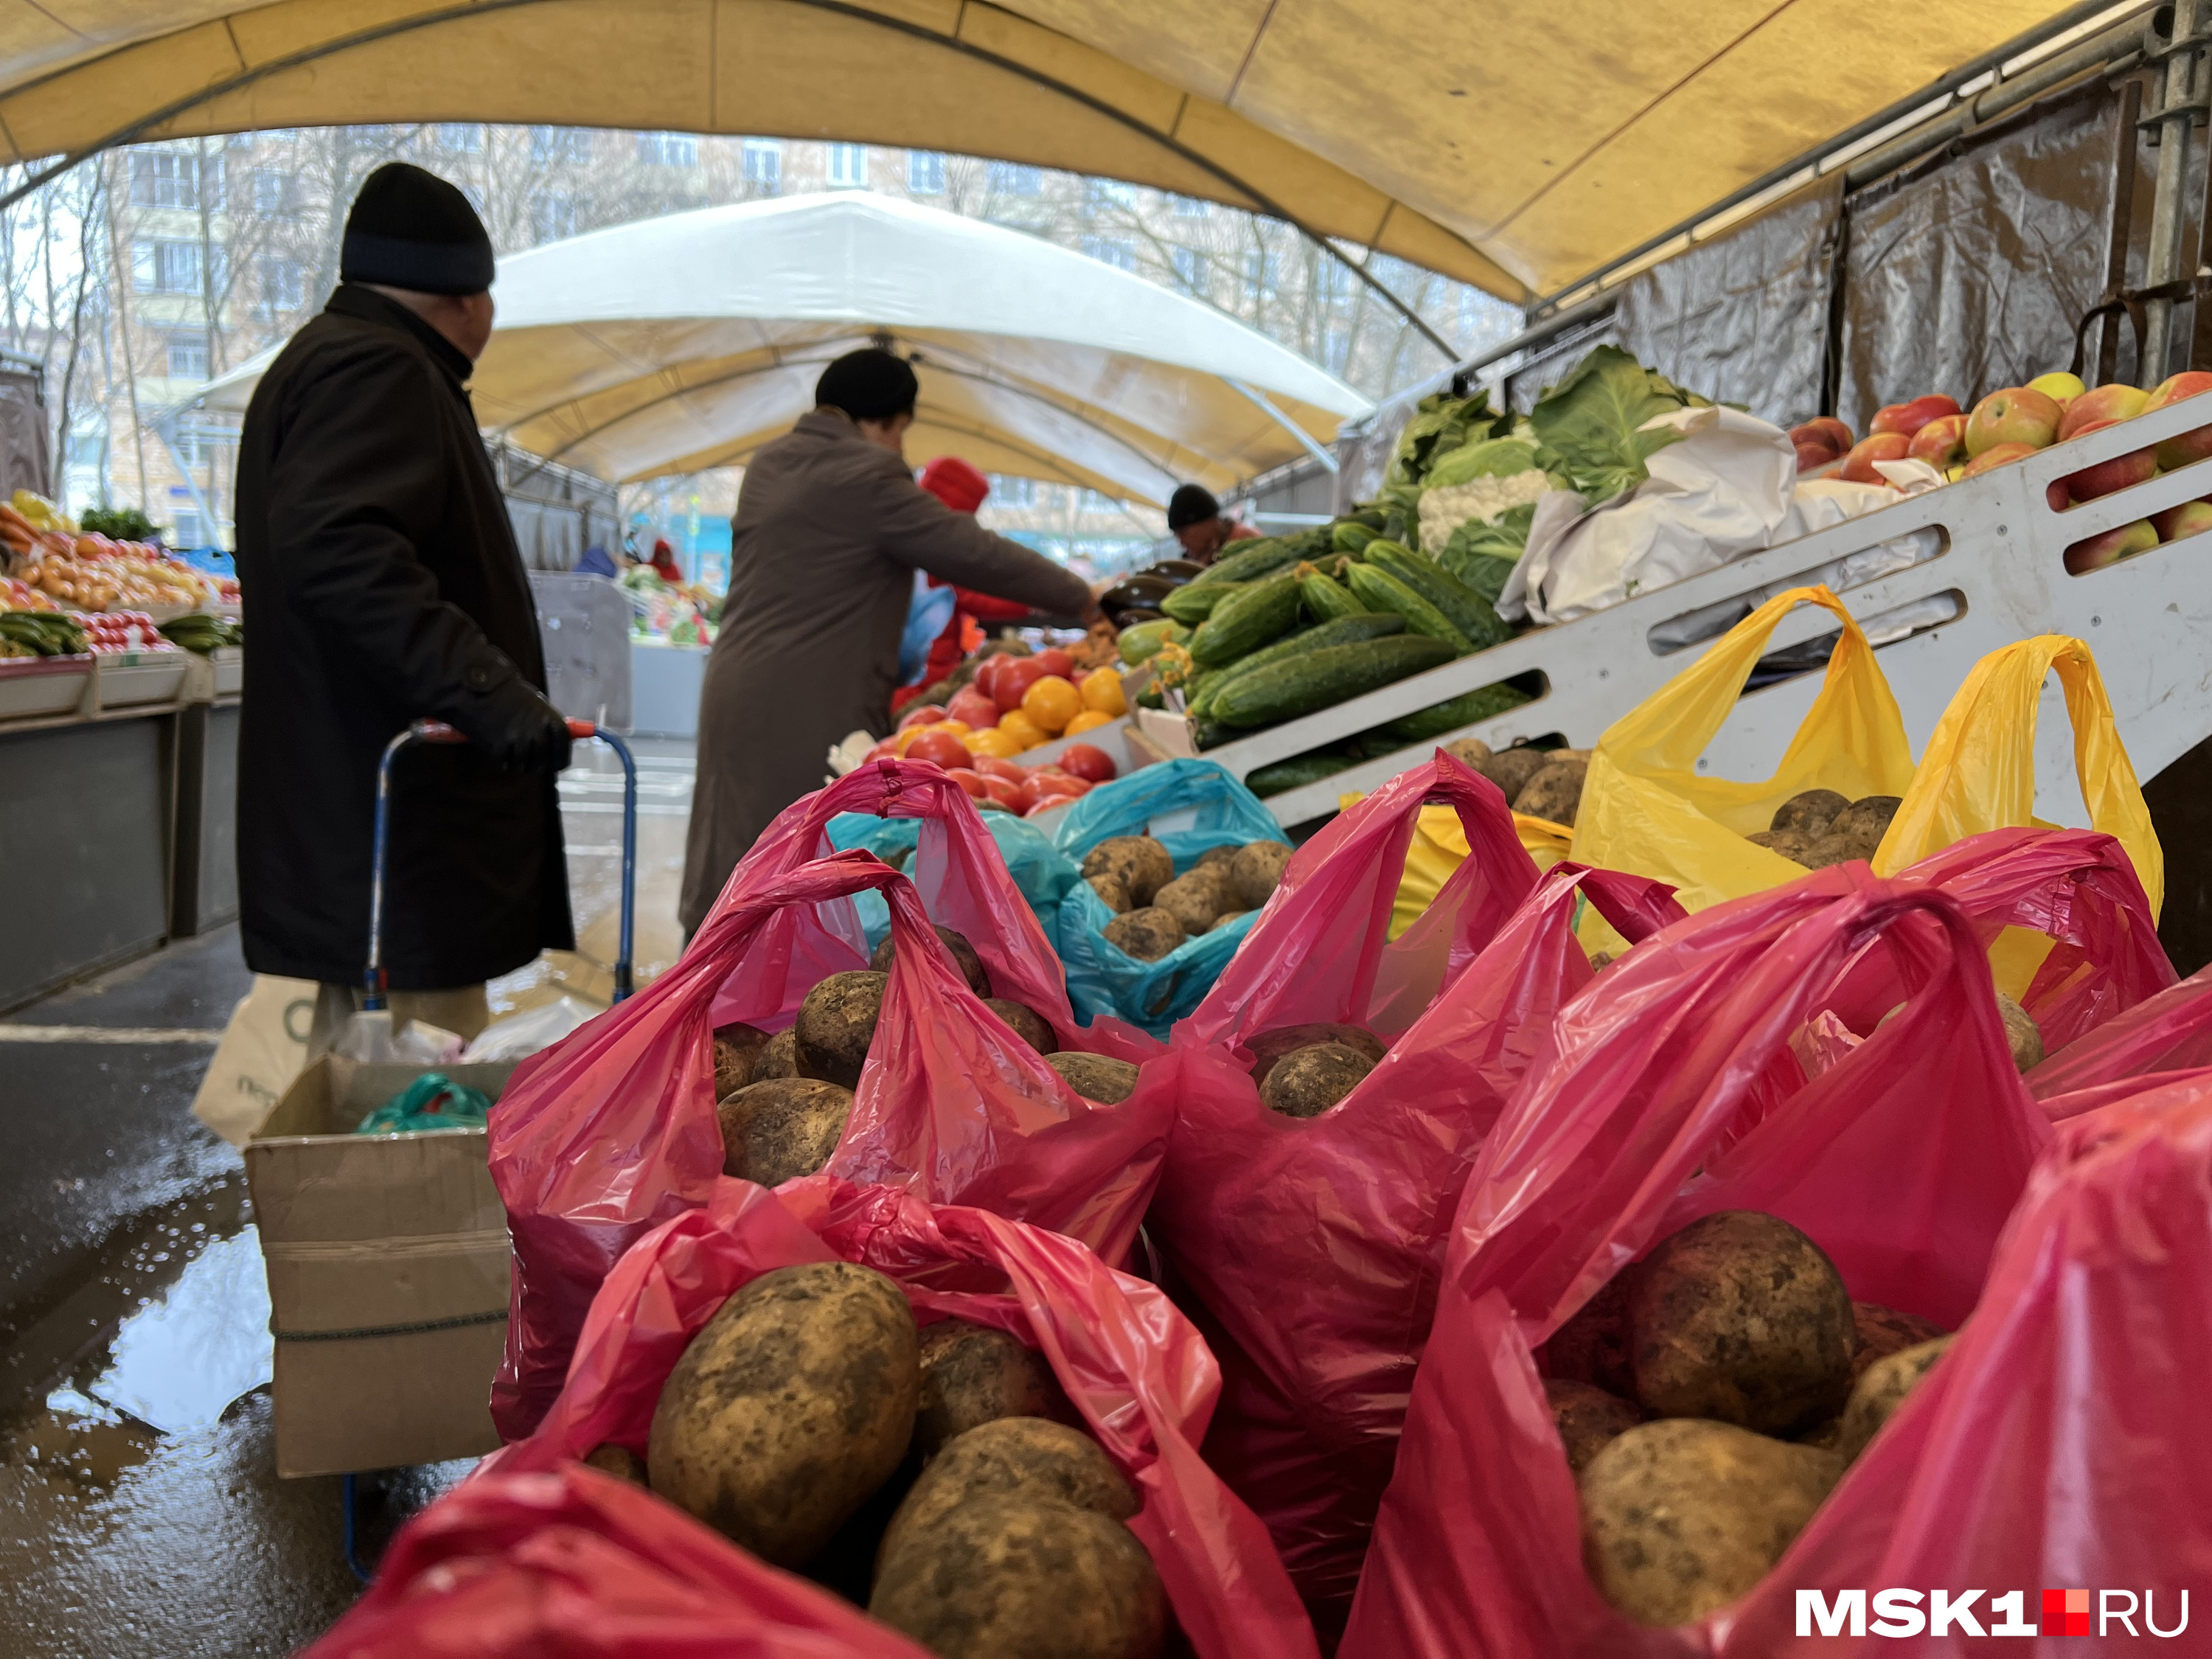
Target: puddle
{"x": 176, "y": 1364}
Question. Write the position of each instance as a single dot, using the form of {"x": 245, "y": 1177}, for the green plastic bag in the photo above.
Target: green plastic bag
{"x": 432, "y": 1101}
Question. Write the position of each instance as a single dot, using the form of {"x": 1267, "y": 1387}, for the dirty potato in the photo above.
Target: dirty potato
{"x": 1095, "y": 1077}
{"x": 1225, "y": 919}
{"x": 779, "y": 1057}
{"x": 785, "y": 1127}
{"x": 1256, "y": 871}
{"x": 971, "y": 965}
{"x": 972, "y": 1374}
{"x": 1554, "y": 794}
{"x": 737, "y": 1049}
{"x": 1147, "y": 934}
{"x": 1307, "y": 1082}
{"x": 1791, "y": 844}
{"x": 1882, "y": 1332}
{"x": 1216, "y": 857}
{"x": 1808, "y": 812}
{"x": 1835, "y": 848}
{"x": 1511, "y": 768}
{"x": 620, "y": 1461}
{"x": 2022, "y": 1035}
{"x": 1881, "y": 1390}
{"x": 1681, "y": 1518}
{"x": 1029, "y": 1025}
{"x": 1011, "y": 1456}
{"x": 1113, "y": 892}
{"x": 1587, "y": 1418}
{"x": 1195, "y": 900}
{"x": 1143, "y": 865}
{"x": 1472, "y": 752}
{"x": 790, "y": 1407}
{"x": 1868, "y": 818}
{"x": 1740, "y": 1318}
{"x": 1269, "y": 1046}
{"x": 836, "y": 1024}
{"x": 1592, "y": 1346}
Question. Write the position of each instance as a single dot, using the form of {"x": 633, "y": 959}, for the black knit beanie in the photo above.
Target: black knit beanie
{"x": 1191, "y": 504}
{"x": 412, "y": 229}
{"x": 869, "y": 385}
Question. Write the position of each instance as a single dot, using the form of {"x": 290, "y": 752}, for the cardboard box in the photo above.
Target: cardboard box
{"x": 388, "y": 1269}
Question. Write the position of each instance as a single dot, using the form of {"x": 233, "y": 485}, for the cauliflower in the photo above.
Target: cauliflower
{"x": 1445, "y": 508}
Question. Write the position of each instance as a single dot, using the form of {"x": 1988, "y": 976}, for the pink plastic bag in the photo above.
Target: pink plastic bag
{"x": 2171, "y": 1031}
{"x": 1133, "y": 1366}
{"x": 1663, "y": 1103}
{"x": 614, "y": 1131}
{"x": 1315, "y": 1245}
{"x": 1321, "y": 950}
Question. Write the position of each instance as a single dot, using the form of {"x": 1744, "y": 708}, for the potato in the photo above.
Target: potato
{"x": 791, "y": 1406}
{"x": 1808, "y": 812}
{"x": 1680, "y": 1519}
{"x": 1791, "y": 844}
{"x": 836, "y": 1024}
{"x": 1194, "y": 900}
{"x": 620, "y": 1461}
{"x": 1225, "y": 918}
{"x": 2024, "y": 1035}
{"x": 1592, "y": 1346}
{"x": 1112, "y": 890}
{"x": 972, "y": 1374}
{"x": 1602, "y": 960}
{"x": 1510, "y": 768}
{"x": 1307, "y": 1082}
{"x": 1010, "y": 1456}
{"x": 779, "y": 1057}
{"x": 1868, "y": 817}
{"x": 737, "y": 1049}
{"x": 776, "y": 1131}
{"x": 963, "y": 953}
{"x": 1029, "y": 1025}
{"x": 846, "y": 1564}
{"x": 1823, "y": 1435}
{"x": 1833, "y": 848}
{"x": 1587, "y": 1418}
{"x": 1256, "y": 871}
{"x": 1140, "y": 861}
{"x": 1473, "y": 752}
{"x": 1269, "y": 1046}
{"x": 1025, "y": 1578}
{"x": 1882, "y": 1332}
{"x": 1553, "y": 794}
{"x": 1881, "y": 1390}
{"x": 1218, "y": 858}
{"x": 1740, "y": 1318}
{"x": 1109, "y": 1082}
{"x": 1147, "y": 934}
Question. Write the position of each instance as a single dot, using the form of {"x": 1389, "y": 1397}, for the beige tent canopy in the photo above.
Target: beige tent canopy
{"x": 1516, "y": 144}
{"x": 686, "y": 342}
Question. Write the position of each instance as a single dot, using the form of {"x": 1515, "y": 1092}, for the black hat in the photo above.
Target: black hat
{"x": 1190, "y": 505}
{"x": 869, "y": 385}
{"x": 412, "y": 229}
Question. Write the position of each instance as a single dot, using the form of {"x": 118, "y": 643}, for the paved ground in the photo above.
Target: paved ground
{"x": 140, "y": 1513}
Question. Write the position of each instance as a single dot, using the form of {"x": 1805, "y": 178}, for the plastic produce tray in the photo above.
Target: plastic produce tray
{"x": 39, "y": 688}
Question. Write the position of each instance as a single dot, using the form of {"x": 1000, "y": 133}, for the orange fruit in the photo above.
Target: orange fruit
{"x": 1024, "y": 731}
{"x": 1101, "y": 694}
{"x": 993, "y": 740}
{"x": 1087, "y": 721}
{"x": 1051, "y": 702}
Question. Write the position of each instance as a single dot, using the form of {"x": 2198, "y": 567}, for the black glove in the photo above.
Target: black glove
{"x": 517, "y": 728}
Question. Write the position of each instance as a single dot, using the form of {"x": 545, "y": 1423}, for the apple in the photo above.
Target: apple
{"x": 2062, "y": 388}
{"x": 2195, "y": 444}
{"x": 974, "y": 706}
{"x": 2014, "y": 415}
{"x": 1990, "y": 459}
{"x": 1909, "y": 417}
{"x": 2189, "y": 519}
{"x": 1811, "y": 457}
{"x": 1858, "y": 465}
{"x": 1941, "y": 442}
{"x": 1824, "y": 432}
{"x": 2106, "y": 477}
{"x": 2105, "y": 404}
{"x": 2123, "y": 542}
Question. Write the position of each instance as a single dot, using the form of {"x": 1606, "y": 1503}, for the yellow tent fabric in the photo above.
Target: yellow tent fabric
{"x": 1515, "y": 145}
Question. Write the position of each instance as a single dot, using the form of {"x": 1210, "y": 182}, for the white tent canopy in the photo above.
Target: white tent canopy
{"x": 687, "y": 341}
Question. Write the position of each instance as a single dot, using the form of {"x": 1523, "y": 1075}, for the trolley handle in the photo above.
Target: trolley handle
{"x": 440, "y": 732}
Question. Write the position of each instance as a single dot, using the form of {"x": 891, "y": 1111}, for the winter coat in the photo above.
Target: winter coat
{"x": 382, "y": 584}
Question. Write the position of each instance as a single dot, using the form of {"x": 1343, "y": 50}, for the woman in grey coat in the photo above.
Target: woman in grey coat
{"x": 830, "y": 529}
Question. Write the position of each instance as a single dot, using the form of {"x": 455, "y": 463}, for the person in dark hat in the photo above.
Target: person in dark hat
{"x": 830, "y": 529}
{"x": 383, "y": 586}
{"x": 1195, "y": 519}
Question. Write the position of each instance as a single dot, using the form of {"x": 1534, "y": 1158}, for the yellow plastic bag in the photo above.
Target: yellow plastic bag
{"x": 1439, "y": 847}
{"x": 1646, "y": 810}
{"x": 1980, "y": 774}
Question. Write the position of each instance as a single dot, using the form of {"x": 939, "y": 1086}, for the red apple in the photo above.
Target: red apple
{"x": 1909, "y": 417}
{"x": 2054, "y": 496}
{"x": 971, "y": 781}
{"x": 1990, "y": 459}
{"x": 938, "y": 749}
{"x": 2122, "y": 542}
{"x": 922, "y": 714}
{"x": 2189, "y": 519}
{"x": 1003, "y": 793}
{"x": 974, "y": 708}
{"x": 1012, "y": 682}
{"x": 2195, "y": 444}
{"x": 2106, "y": 477}
{"x": 1858, "y": 465}
{"x": 2016, "y": 415}
{"x": 2100, "y": 407}
{"x": 1054, "y": 660}
{"x": 1942, "y": 443}
{"x": 1089, "y": 762}
{"x": 1826, "y": 429}
{"x": 1811, "y": 457}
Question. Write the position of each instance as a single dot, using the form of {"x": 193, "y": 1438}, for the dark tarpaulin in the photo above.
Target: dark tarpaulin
{"x": 1743, "y": 318}
{"x": 1967, "y": 271}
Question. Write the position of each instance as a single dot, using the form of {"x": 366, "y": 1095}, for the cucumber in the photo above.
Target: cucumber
{"x": 1378, "y": 587}
{"x": 1349, "y": 535}
{"x": 1208, "y": 733}
{"x": 1138, "y": 643}
{"x": 1320, "y": 679}
{"x": 1254, "y": 614}
{"x": 1460, "y": 605}
{"x": 1292, "y": 774}
{"x": 1251, "y": 561}
{"x": 1327, "y": 598}
{"x": 1343, "y": 630}
{"x": 1194, "y": 602}
{"x": 1479, "y": 704}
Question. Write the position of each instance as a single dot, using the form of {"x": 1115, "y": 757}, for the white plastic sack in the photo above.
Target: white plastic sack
{"x": 519, "y": 1035}
{"x": 370, "y": 1037}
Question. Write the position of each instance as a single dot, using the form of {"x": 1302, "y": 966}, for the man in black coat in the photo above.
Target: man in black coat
{"x": 382, "y": 584}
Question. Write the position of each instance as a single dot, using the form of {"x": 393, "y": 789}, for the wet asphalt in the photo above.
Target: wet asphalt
{"x": 139, "y": 1509}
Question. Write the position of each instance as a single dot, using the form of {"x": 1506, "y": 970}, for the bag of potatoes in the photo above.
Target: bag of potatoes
{"x": 833, "y": 1398}
{"x": 1672, "y": 1255}
{"x": 776, "y": 1047}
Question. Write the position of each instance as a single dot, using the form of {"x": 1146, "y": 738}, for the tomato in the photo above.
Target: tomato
{"x": 1051, "y": 702}
{"x": 939, "y": 749}
{"x": 991, "y": 741}
{"x": 971, "y": 781}
{"x": 921, "y": 714}
{"x": 887, "y": 749}
{"x": 1044, "y": 785}
{"x": 1025, "y": 732}
{"x": 1054, "y": 660}
{"x": 1013, "y": 681}
{"x": 992, "y": 766}
{"x": 1101, "y": 691}
{"x": 1003, "y": 793}
{"x": 1089, "y": 720}
{"x": 987, "y": 676}
{"x": 975, "y": 708}
{"x": 1091, "y": 764}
